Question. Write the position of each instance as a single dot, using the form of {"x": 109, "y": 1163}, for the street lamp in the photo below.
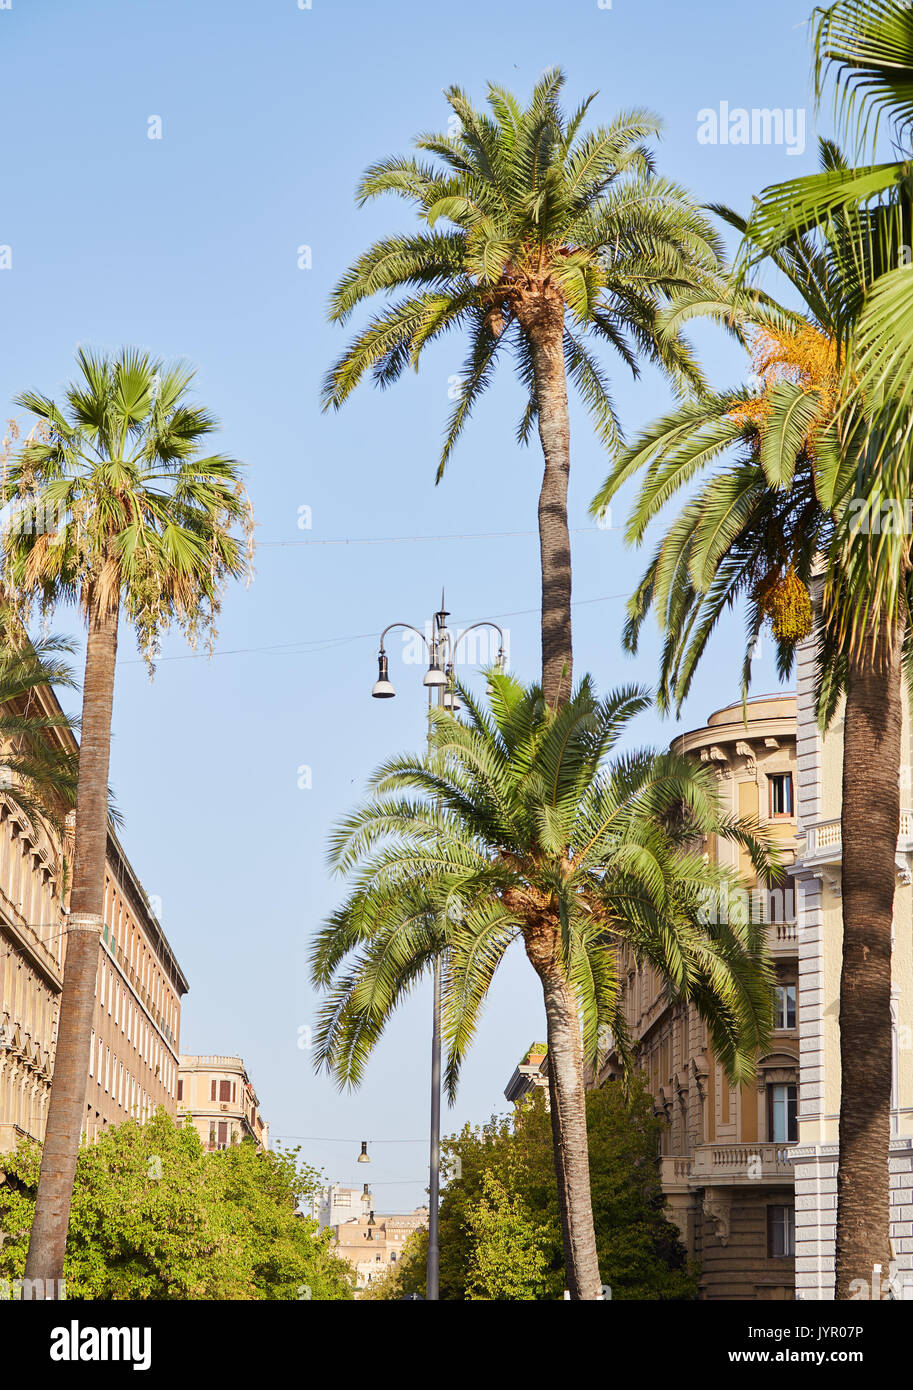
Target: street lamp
{"x": 363, "y": 1157}
{"x": 383, "y": 689}
{"x": 438, "y": 681}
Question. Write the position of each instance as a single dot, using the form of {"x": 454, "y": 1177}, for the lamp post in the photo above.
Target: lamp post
{"x": 441, "y": 651}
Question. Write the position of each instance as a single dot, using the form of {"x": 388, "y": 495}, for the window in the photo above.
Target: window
{"x": 781, "y": 1232}
{"x": 181, "y": 1089}
{"x": 785, "y": 1007}
{"x": 223, "y": 1133}
{"x": 782, "y": 1117}
{"x": 212, "y": 1090}
{"x": 781, "y": 794}
{"x": 224, "y": 1090}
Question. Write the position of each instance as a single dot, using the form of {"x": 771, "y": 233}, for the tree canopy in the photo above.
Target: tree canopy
{"x": 500, "y": 1232}
{"x": 155, "y": 1216}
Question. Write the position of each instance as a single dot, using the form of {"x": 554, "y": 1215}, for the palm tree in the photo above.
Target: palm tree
{"x": 36, "y": 762}
{"x": 868, "y": 46}
{"x": 756, "y": 529}
{"x": 557, "y": 239}
{"x": 145, "y": 527}
{"x": 516, "y": 827}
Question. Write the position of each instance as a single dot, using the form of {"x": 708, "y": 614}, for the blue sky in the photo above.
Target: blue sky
{"x": 188, "y": 245}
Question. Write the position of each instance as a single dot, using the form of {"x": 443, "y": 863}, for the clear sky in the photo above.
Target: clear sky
{"x": 188, "y": 245}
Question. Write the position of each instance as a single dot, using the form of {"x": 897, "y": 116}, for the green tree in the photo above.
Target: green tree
{"x": 640, "y": 1251}
{"x": 156, "y": 1216}
{"x": 516, "y": 827}
{"x": 556, "y": 240}
{"x": 756, "y": 529}
{"x": 508, "y": 1259}
{"x": 145, "y": 527}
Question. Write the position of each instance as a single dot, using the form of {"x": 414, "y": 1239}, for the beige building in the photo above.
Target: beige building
{"x": 726, "y": 1152}
{"x": 817, "y": 876}
{"x": 217, "y": 1094}
{"x": 372, "y": 1243}
{"x": 138, "y": 988}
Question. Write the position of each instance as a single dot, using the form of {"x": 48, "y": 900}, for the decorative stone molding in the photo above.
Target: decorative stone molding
{"x": 701, "y": 1068}
{"x": 745, "y": 750}
{"x": 717, "y": 1207}
{"x": 831, "y": 879}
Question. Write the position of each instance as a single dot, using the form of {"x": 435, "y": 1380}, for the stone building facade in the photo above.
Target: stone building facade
{"x": 726, "y": 1152}
{"x": 138, "y": 988}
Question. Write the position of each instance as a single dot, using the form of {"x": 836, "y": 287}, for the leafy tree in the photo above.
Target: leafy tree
{"x": 542, "y": 240}
{"x": 145, "y": 525}
{"x": 508, "y": 1259}
{"x": 154, "y": 1216}
{"x": 515, "y": 827}
{"x": 505, "y": 1168}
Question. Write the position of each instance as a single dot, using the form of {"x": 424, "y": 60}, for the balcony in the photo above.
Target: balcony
{"x": 823, "y": 840}
{"x": 739, "y": 1163}
{"x": 728, "y": 1165}
{"x": 783, "y": 938}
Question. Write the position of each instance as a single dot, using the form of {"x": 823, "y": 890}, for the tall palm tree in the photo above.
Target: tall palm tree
{"x": 756, "y": 529}
{"x": 146, "y": 527}
{"x": 516, "y": 827}
{"x": 558, "y": 239}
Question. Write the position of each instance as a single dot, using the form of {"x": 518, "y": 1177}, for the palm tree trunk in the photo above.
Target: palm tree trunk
{"x": 543, "y": 323}
{"x": 870, "y": 826}
{"x": 568, "y": 1114}
{"x": 66, "y": 1111}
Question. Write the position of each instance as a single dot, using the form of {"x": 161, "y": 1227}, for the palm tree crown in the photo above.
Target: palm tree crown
{"x": 546, "y": 221}
{"x": 132, "y": 510}
{"x": 514, "y": 827}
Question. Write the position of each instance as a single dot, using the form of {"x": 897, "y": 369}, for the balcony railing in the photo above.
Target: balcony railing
{"x": 783, "y": 937}
{"x": 823, "y": 838}
{"x": 728, "y": 1164}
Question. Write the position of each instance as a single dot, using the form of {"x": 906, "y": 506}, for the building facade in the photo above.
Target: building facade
{"x": 138, "y": 987}
{"x": 336, "y": 1203}
{"x": 726, "y": 1150}
{"x": 371, "y": 1243}
{"x": 530, "y": 1074}
{"x": 218, "y": 1096}
{"x": 817, "y": 875}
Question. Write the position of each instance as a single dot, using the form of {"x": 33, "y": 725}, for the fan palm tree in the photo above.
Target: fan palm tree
{"x": 145, "y": 526}
{"x": 756, "y": 529}
{"x": 557, "y": 239}
{"x": 515, "y": 827}
{"x": 37, "y": 764}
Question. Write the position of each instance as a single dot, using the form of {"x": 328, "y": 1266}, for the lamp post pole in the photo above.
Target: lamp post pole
{"x": 441, "y": 652}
